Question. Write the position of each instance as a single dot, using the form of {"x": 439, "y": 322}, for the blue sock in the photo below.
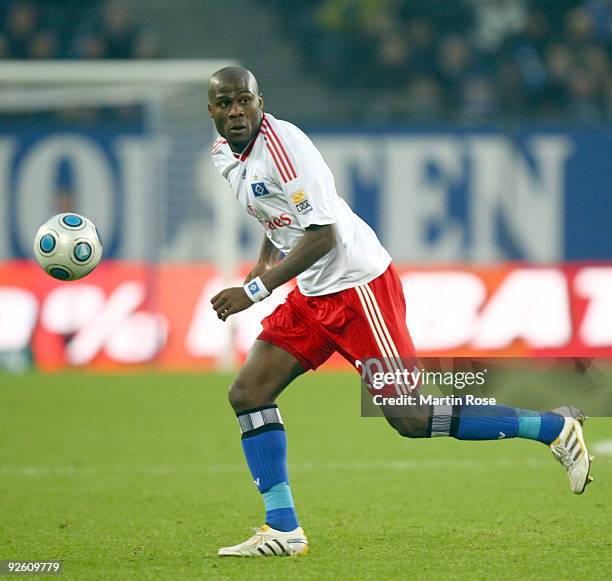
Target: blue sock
{"x": 280, "y": 512}
{"x": 495, "y": 422}
{"x": 543, "y": 427}
{"x": 265, "y": 448}
{"x": 487, "y": 422}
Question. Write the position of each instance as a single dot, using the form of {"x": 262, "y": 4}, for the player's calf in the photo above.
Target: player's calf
{"x": 411, "y": 427}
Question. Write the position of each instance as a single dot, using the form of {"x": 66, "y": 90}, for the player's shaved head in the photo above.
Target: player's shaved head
{"x": 232, "y": 76}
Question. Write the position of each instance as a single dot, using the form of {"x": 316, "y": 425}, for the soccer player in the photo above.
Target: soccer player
{"x": 348, "y": 299}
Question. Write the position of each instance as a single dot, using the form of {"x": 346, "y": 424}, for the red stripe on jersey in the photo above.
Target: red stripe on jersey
{"x": 282, "y": 153}
{"x": 291, "y": 171}
{"x": 217, "y": 144}
{"x": 281, "y": 169}
{"x": 273, "y": 147}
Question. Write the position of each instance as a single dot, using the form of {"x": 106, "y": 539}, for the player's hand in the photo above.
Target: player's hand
{"x": 259, "y": 269}
{"x": 230, "y": 301}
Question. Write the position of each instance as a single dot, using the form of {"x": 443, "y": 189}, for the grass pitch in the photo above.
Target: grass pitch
{"x": 142, "y": 477}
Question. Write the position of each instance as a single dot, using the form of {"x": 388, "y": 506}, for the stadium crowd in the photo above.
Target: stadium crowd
{"x": 51, "y": 29}
{"x": 465, "y": 60}
{"x": 455, "y": 60}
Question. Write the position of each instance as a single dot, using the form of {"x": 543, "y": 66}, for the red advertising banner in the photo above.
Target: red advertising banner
{"x": 128, "y": 315}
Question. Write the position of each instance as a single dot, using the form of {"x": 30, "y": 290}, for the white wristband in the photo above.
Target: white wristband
{"x": 256, "y": 290}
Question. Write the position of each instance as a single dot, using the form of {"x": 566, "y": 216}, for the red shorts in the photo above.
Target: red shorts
{"x": 360, "y": 323}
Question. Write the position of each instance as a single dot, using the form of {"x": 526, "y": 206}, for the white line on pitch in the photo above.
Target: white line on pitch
{"x": 602, "y": 447}
{"x": 357, "y": 466}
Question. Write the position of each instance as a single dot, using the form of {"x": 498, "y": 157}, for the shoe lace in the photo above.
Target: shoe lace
{"x": 260, "y": 536}
{"x": 564, "y": 456}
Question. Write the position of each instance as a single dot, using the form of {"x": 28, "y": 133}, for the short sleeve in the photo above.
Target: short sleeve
{"x": 303, "y": 175}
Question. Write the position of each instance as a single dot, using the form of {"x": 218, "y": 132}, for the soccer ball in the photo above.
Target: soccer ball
{"x": 68, "y": 246}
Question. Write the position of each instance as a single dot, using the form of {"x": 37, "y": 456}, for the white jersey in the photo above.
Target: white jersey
{"x": 283, "y": 181}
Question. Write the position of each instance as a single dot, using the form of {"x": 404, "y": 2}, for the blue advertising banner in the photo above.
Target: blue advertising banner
{"x": 433, "y": 196}
{"x": 480, "y": 195}
{"x": 100, "y": 173}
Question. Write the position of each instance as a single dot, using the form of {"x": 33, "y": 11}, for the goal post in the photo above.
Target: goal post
{"x": 131, "y": 141}
{"x": 155, "y": 72}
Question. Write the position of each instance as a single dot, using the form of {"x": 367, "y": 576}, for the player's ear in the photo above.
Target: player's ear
{"x": 210, "y": 111}
{"x": 261, "y": 100}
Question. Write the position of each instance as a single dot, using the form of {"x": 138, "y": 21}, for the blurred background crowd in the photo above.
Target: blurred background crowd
{"x": 52, "y": 29}
{"x": 464, "y": 59}
{"x": 398, "y": 60}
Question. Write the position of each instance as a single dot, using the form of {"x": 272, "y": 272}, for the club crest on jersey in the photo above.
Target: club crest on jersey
{"x": 300, "y": 199}
{"x": 259, "y": 189}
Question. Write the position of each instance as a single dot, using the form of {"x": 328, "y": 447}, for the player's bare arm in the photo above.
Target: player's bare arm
{"x": 268, "y": 257}
{"x": 316, "y": 243}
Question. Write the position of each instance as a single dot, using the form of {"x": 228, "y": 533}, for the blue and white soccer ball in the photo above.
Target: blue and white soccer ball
{"x": 68, "y": 246}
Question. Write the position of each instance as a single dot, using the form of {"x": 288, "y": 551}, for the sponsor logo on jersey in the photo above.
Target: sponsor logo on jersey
{"x": 270, "y": 222}
{"x": 243, "y": 174}
{"x": 300, "y": 199}
{"x": 259, "y": 189}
